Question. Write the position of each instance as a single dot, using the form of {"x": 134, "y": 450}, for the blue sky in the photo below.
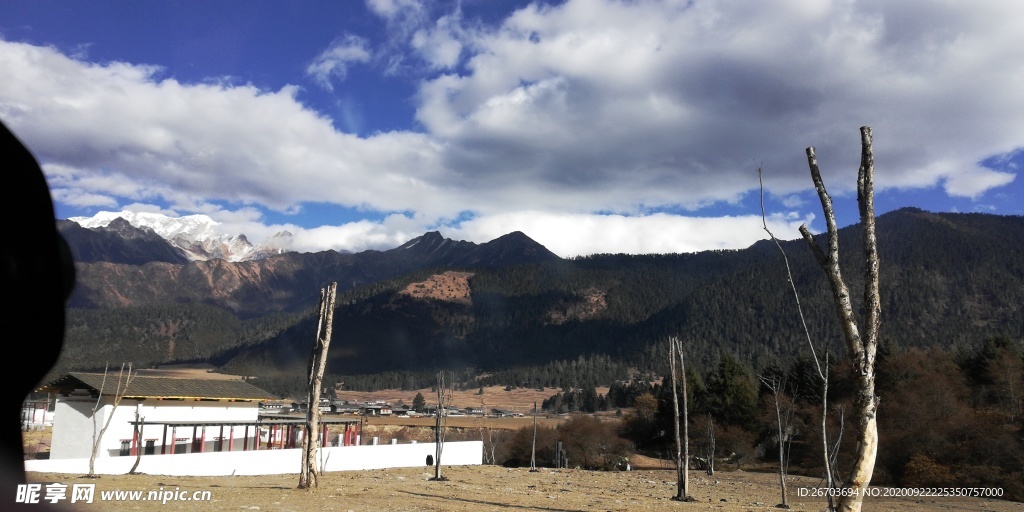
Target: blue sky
{"x": 590, "y": 125}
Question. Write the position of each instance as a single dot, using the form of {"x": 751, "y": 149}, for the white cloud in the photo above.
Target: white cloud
{"x": 553, "y": 114}
{"x": 974, "y": 183}
{"x": 564, "y": 234}
{"x": 440, "y": 45}
{"x": 581, "y": 234}
{"x": 332, "y": 64}
{"x": 119, "y": 130}
{"x": 390, "y": 9}
{"x": 149, "y": 208}
{"x": 680, "y": 97}
{"x": 76, "y": 197}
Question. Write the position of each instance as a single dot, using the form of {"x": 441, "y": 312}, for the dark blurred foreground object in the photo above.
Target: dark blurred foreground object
{"x": 38, "y": 275}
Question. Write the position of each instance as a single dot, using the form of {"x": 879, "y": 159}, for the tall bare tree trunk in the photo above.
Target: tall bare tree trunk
{"x": 862, "y": 348}
{"x": 444, "y": 399}
{"x": 309, "y": 476}
{"x": 675, "y": 346}
{"x": 776, "y": 384}
{"x": 711, "y": 446}
{"x": 533, "y": 446}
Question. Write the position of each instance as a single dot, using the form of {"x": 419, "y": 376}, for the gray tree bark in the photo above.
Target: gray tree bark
{"x": 862, "y": 348}
{"x": 682, "y": 443}
{"x": 309, "y": 476}
{"x": 533, "y": 446}
{"x": 776, "y": 384}
{"x": 444, "y": 399}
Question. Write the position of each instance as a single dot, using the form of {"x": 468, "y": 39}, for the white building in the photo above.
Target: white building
{"x": 174, "y": 415}
{"x": 207, "y": 428}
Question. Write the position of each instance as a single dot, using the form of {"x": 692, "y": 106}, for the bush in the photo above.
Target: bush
{"x": 923, "y": 471}
{"x": 593, "y": 444}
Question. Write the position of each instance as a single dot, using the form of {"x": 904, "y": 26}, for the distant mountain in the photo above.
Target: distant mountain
{"x": 195, "y": 236}
{"x": 123, "y": 266}
{"x": 432, "y": 249}
{"x": 118, "y": 242}
{"x": 947, "y": 279}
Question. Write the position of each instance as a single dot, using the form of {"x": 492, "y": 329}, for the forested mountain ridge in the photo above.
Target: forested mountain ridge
{"x": 946, "y": 279}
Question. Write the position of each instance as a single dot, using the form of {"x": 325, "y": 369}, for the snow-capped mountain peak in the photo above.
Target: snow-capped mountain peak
{"x": 197, "y": 236}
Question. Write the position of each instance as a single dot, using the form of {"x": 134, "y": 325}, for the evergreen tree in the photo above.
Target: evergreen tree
{"x": 732, "y": 394}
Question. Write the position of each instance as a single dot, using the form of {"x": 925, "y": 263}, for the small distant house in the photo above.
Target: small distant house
{"x": 174, "y": 415}
{"x": 377, "y": 410}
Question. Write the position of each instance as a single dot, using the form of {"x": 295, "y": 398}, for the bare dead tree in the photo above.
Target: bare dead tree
{"x": 309, "y": 475}
{"x": 444, "y": 400}
{"x": 675, "y": 346}
{"x": 533, "y": 447}
{"x": 776, "y": 384}
{"x": 710, "y": 446}
{"x": 822, "y": 367}
{"x": 862, "y": 347}
{"x": 833, "y": 453}
{"x": 487, "y": 438}
{"x": 124, "y": 379}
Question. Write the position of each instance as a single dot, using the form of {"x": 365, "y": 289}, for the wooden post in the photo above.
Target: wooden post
{"x": 309, "y": 477}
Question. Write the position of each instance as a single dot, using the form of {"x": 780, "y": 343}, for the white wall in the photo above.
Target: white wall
{"x": 271, "y": 462}
{"x": 73, "y": 426}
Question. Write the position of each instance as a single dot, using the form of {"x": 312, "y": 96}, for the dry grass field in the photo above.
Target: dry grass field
{"x": 489, "y": 488}
{"x": 484, "y": 488}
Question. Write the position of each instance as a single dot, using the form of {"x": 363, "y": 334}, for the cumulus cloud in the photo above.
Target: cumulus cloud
{"x": 976, "y": 182}
{"x": 332, "y": 64}
{"x": 120, "y": 130}
{"x": 669, "y": 102}
{"x": 580, "y": 234}
{"x": 555, "y": 113}
{"x": 440, "y": 45}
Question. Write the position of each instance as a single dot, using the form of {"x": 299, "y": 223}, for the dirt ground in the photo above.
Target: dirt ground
{"x": 488, "y": 488}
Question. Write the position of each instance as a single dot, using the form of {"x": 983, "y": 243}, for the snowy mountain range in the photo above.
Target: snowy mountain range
{"x": 196, "y": 236}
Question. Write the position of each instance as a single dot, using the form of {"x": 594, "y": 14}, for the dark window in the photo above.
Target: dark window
{"x": 126, "y": 447}
{"x": 150, "y": 447}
